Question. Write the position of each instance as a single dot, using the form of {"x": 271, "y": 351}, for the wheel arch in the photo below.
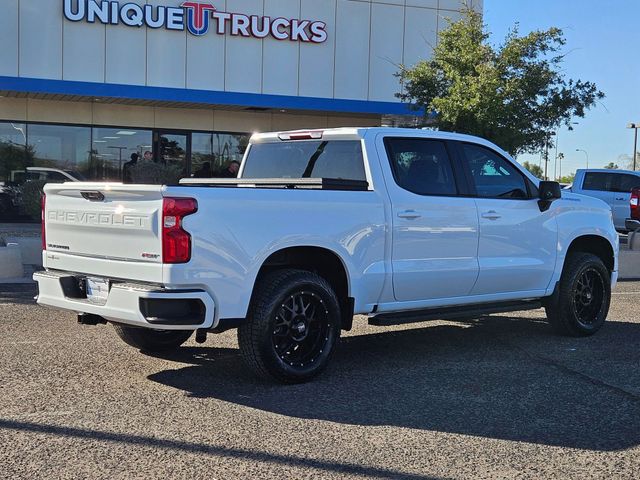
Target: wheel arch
{"x": 322, "y": 261}
{"x": 595, "y": 244}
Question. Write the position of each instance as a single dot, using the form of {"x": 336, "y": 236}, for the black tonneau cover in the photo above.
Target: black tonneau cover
{"x": 293, "y": 183}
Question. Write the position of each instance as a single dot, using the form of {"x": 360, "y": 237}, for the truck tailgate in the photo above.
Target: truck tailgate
{"x": 110, "y": 230}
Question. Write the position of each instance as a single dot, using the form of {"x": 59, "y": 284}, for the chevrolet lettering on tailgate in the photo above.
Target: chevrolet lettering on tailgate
{"x": 96, "y": 218}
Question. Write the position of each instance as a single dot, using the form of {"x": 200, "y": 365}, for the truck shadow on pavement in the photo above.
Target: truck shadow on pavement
{"x": 498, "y": 377}
{"x": 20, "y": 294}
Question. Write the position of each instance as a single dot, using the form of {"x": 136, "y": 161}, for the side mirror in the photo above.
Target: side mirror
{"x": 548, "y": 192}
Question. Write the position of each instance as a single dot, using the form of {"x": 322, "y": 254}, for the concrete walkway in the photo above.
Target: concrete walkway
{"x": 27, "y": 237}
{"x": 629, "y": 264}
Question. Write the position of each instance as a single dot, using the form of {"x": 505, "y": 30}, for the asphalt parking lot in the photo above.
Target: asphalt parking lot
{"x": 498, "y": 397}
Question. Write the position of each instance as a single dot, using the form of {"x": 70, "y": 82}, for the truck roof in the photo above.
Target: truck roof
{"x": 358, "y": 133}
{"x": 607, "y": 170}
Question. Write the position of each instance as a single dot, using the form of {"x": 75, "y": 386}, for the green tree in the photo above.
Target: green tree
{"x": 568, "y": 178}
{"x": 611, "y": 166}
{"x": 513, "y": 94}
{"x": 533, "y": 168}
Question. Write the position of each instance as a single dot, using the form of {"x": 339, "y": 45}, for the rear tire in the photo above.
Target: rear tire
{"x": 580, "y": 306}
{"x": 152, "y": 341}
{"x": 292, "y": 327}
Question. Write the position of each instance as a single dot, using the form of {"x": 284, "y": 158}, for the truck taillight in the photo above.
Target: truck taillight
{"x": 176, "y": 242}
{"x": 43, "y": 233}
{"x": 634, "y": 203}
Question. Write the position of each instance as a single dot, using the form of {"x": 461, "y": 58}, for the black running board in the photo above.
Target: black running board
{"x": 444, "y": 313}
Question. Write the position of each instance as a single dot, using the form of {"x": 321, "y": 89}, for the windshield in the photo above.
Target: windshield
{"x": 306, "y": 159}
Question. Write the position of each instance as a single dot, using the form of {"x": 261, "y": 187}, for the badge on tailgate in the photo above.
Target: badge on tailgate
{"x": 93, "y": 196}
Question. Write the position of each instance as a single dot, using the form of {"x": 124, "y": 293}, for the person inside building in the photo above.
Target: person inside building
{"x": 231, "y": 171}
{"x": 148, "y": 156}
{"x": 204, "y": 171}
{"x": 127, "y": 176}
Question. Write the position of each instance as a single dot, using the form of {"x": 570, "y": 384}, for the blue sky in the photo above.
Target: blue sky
{"x": 603, "y": 46}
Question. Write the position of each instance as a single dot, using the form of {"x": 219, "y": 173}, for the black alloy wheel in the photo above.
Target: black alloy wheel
{"x": 292, "y": 327}
{"x": 302, "y": 328}
{"x": 580, "y": 305}
{"x": 588, "y": 294}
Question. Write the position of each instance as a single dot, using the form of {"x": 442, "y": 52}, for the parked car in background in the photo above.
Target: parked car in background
{"x": 20, "y": 195}
{"x": 611, "y": 186}
{"x": 9, "y": 195}
{"x": 53, "y": 175}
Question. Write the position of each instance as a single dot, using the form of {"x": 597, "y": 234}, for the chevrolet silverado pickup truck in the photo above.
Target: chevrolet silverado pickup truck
{"x": 397, "y": 225}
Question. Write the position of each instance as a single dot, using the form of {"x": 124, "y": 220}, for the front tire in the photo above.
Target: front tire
{"x": 292, "y": 327}
{"x": 152, "y": 341}
{"x": 580, "y": 306}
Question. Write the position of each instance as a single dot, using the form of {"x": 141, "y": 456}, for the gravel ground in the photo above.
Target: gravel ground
{"x": 499, "y": 397}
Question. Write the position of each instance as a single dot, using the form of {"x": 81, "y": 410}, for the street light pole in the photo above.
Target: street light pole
{"x": 635, "y": 126}
{"x": 585, "y": 152}
{"x": 555, "y": 162}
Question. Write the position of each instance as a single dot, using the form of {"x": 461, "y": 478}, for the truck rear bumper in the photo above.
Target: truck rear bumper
{"x": 139, "y": 305}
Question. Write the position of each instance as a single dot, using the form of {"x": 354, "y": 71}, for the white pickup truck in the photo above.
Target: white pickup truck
{"x": 613, "y": 187}
{"x": 398, "y": 225}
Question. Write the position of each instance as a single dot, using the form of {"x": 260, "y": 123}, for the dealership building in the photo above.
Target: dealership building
{"x": 84, "y": 84}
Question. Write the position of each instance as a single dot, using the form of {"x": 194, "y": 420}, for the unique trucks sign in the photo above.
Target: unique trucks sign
{"x": 196, "y": 17}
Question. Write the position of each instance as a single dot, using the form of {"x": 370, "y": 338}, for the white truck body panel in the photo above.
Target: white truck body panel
{"x": 245, "y": 226}
{"x": 401, "y": 251}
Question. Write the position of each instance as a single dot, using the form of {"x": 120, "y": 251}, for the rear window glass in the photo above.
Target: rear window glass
{"x": 306, "y": 159}
{"x": 598, "y": 181}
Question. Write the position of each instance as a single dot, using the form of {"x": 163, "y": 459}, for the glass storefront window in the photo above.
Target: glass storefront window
{"x": 172, "y": 155}
{"x": 212, "y": 155}
{"x": 34, "y": 154}
{"x": 115, "y": 151}
{"x": 63, "y": 149}
{"x": 13, "y": 152}
{"x": 203, "y": 162}
{"x": 14, "y": 158}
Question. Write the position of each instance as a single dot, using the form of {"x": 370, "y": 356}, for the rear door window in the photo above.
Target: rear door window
{"x": 421, "y": 166}
{"x": 626, "y": 182}
{"x": 340, "y": 159}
